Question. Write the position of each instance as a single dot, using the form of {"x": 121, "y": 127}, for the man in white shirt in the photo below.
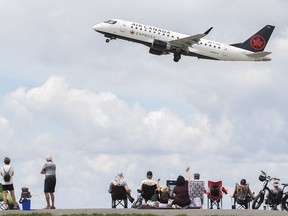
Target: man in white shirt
{"x": 49, "y": 170}
{"x": 149, "y": 193}
{"x": 149, "y": 180}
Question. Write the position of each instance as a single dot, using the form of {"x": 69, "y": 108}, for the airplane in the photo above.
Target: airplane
{"x": 162, "y": 42}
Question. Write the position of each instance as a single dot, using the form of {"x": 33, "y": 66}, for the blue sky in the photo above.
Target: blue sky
{"x": 103, "y": 108}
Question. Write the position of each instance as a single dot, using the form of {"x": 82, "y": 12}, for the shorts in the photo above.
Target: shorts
{"x": 9, "y": 187}
{"x": 49, "y": 184}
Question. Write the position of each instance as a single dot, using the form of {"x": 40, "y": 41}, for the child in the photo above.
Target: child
{"x": 164, "y": 195}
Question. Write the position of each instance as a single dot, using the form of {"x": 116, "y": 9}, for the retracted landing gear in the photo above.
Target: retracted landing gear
{"x": 177, "y": 57}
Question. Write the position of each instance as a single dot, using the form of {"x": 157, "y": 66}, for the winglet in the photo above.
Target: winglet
{"x": 207, "y": 32}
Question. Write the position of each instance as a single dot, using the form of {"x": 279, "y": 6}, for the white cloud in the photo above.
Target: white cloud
{"x": 6, "y": 132}
{"x": 94, "y": 116}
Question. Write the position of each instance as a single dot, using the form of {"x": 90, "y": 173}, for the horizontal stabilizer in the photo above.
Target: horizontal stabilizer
{"x": 258, "y": 54}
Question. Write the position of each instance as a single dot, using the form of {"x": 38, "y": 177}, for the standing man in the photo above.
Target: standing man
{"x": 49, "y": 169}
{"x": 7, "y": 173}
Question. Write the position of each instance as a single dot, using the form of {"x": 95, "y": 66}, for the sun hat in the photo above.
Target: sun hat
{"x": 120, "y": 174}
{"x": 49, "y": 157}
{"x": 276, "y": 183}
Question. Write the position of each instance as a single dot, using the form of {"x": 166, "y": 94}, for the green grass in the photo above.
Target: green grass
{"x": 114, "y": 214}
{"x": 94, "y": 214}
{"x": 33, "y": 214}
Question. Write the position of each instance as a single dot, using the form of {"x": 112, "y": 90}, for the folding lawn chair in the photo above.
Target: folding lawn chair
{"x": 119, "y": 196}
{"x": 196, "y": 191}
{"x": 214, "y": 194}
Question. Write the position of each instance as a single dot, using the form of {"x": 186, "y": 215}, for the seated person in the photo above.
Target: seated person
{"x": 197, "y": 190}
{"x": 275, "y": 194}
{"x": 120, "y": 181}
{"x": 148, "y": 188}
{"x": 163, "y": 192}
{"x": 242, "y": 193}
{"x": 181, "y": 192}
{"x": 164, "y": 195}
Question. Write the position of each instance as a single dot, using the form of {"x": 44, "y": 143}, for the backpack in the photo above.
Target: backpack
{"x": 6, "y": 176}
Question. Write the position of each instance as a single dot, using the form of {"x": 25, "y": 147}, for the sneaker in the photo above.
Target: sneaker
{"x": 52, "y": 207}
{"x": 47, "y": 207}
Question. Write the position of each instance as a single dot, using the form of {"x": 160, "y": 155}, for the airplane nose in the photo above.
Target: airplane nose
{"x": 97, "y": 27}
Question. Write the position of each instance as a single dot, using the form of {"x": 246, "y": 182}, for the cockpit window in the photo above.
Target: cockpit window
{"x": 110, "y": 22}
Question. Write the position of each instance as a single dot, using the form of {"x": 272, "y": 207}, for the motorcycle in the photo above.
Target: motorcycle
{"x": 285, "y": 198}
{"x": 270, "y": 200}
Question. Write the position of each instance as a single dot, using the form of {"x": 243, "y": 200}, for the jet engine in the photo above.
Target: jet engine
{"x": 159, "y": 47}
{"x": 156, "y": 52}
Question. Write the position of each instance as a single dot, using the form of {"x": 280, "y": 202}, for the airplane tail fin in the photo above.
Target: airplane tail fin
{"x": 258, "y": 41}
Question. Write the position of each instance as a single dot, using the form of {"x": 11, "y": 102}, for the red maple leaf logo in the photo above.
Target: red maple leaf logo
{"x": 257, "y": 42}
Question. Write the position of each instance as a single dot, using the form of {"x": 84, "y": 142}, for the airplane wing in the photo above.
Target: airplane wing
{"x": 187, "y": 41}
{"x": 184, "y": 43}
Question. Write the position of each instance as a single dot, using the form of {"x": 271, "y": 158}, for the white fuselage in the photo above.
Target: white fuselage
{"x": 145, "y": 34}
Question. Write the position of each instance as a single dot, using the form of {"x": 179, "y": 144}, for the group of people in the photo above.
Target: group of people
{"x": 180, "y": 194}
{"x": 7, "y": 174}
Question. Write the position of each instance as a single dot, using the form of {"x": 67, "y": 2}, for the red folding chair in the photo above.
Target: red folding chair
{"x": 214, "y": 195}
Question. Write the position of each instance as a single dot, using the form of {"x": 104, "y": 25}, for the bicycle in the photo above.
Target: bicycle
{"x": 270, "y": 200}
